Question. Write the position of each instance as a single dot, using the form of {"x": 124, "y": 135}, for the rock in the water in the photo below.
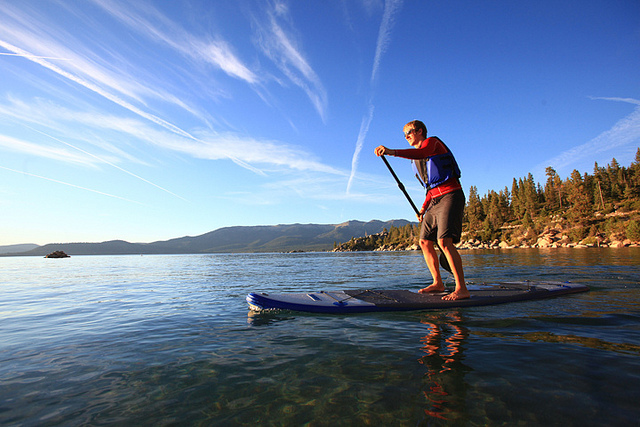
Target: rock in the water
{"x": 57, "y": 254}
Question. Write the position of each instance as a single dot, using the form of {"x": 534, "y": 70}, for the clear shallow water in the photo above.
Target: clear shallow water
{"x": 167, "y": 340}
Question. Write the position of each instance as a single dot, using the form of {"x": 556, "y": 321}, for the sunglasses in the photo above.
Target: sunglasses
{"x": 409, "y": 132}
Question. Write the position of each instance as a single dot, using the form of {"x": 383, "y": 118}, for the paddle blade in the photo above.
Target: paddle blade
{"x": 444, "y": 263}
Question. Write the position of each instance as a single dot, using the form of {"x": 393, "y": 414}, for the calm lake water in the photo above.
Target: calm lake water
{"x": 169, "y": 340}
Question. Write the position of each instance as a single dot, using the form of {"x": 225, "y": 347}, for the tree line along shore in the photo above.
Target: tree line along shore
{"x": 583, "y": 210}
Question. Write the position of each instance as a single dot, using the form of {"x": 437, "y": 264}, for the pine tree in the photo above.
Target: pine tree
{"x": 578, "y": 197}
{"x": 634, "y": 176}
{"x": 551, "y": 190}
{"x": 516, "y": 202}
{"x": 474, "y": 211}
{"x": 530, "y": 195}
{"x": 613, "y": 170}
{"x": 494, "y": 211}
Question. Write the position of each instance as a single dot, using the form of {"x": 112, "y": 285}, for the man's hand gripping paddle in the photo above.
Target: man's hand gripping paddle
{"x": 443, "y": 260}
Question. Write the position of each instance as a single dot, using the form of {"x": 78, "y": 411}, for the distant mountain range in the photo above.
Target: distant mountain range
{"x": 8, "y": 249}
{"x": 268, "y": 238}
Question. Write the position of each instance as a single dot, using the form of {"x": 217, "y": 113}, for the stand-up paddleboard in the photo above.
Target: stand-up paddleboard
{"x": 366, "y": 300}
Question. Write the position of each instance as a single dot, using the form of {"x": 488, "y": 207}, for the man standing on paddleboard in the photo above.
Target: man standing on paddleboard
{"x": 441, "y": 213}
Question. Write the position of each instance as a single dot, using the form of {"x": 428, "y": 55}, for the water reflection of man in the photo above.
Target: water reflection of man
{"x": 446, "y": 388}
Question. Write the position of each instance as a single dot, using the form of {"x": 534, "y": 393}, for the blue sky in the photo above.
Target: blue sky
{"x": 150, "y": 120}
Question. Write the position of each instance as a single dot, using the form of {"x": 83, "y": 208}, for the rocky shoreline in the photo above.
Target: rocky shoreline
{"x": 550, "y": 238}
{"x": 554, "y": 238}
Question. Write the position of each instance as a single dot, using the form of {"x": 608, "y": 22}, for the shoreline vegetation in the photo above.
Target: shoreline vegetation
{"x": 598, "y": 210}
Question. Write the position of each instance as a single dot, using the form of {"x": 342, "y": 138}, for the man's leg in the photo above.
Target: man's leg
{"x": 455, "y": 262}
{"x": 431, "y": 258}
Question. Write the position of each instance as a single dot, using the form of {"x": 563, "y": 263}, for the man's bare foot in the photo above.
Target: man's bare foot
{"x": 432, "y": 288}
{"x": 456, "y": 295}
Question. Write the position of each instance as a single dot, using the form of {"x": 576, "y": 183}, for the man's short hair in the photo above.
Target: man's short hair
{"x": 417, "y": 124}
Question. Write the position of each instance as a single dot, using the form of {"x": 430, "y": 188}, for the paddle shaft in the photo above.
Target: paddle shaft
{"x": 400, "y": 185}
{"x": 443, "y": 259}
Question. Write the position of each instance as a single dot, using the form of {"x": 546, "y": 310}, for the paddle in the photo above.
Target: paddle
{"x": 443, "y": 260}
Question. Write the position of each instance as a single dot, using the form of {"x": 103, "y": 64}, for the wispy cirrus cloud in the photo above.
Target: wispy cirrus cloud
{"x": 278, "y": 43}
{"x": 617, "y": 99}
{"x": 150, "y": 23}
{"x": 391, "y": 7}
{"x": 203, "y": 144}
{"x": 126, "y": 91}
{"x": 112, "y": 164}
{"x": 241, "y": 150}
{"x": 276, "y": 40}
{"x": 46, "y": 115}
{"x": 57, "y": 181}
{"x": 625, "y": 132}
{"x": 95, "y": 88}
{"x": 18, "y": 145}
{"x": 34, "y": 56}
{"x": 29, "y": 34}
{"x": 362, "y": 134}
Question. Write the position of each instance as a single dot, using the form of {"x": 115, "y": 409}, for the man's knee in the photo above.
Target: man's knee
{"x": 446, "y": 242}
{"x": 424, "y": 243}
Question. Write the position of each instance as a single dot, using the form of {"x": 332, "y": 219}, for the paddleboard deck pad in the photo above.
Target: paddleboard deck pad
{"x": 368, "y": 300}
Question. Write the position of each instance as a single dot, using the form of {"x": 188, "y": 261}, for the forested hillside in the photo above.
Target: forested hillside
{"x": 602, "y": 208}
{"x": 602, "y": 205}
